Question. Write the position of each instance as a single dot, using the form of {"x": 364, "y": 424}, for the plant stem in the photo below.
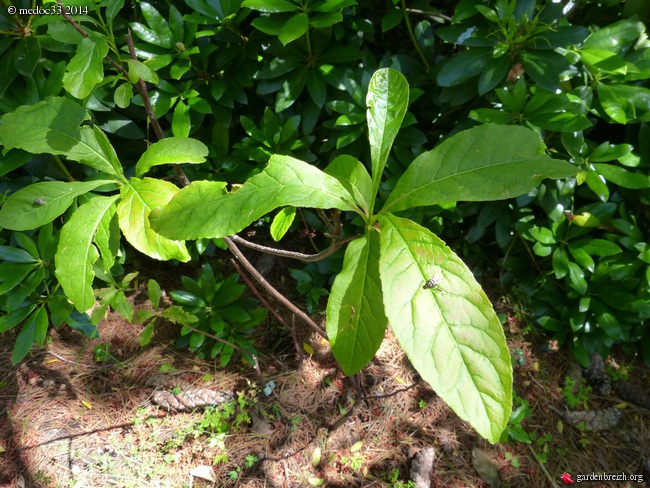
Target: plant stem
{"x": 413, "y": 39}
{"x": 308, "y": 258}
{"x": 260, "y": 279}
{"x": 63, "y": 168}
{"x": 272, "y": 310}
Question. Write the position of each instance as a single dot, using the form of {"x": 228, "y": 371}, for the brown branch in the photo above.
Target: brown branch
{"x": 142, "y": 88}
{"x": 272, "y": 310}
{"x": 308, "y": 258}
{"x": 278, "y": 296}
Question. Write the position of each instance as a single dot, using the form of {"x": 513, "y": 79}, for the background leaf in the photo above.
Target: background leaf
{"x": 85, "y": 69}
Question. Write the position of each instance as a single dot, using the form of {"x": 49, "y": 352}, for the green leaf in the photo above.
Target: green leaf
{"x": 353, "y": 175}
{"x": 158, "y": 24}
{"x": 597, "y": 247}
{"x": 177, "y": 315}
{"x": 151, "y": 36}
{"x": 493, "y": 74}
{"x": 155, "y": 293}
{"x": 122, "y": 306}
{"x": 107, "y": 238}
{"x": 294, "y": 28}
{"x": 85, "y": 69}
{"x": 139, "y": 70}
{"x": 270, "y": 5}
{"x": 113, "y": 7}
{"x": 281, "y": 222}
{"x": 13, "y": 318}
{"x": 464, "y": 66}
{"x": 615, "y": 37}
{"x": 27, "y": 54}
{"x": 181, "y": 123}
{"x": 356, "y": 322}
{"x": 172, "y": 150}
{"x": 16, "y": 255}
{"x": 545, "y": 67}
{"x": 205, "y": 209}
{"x": 123, "y": 95}
{"x": 34, "y": 330}
{"x": 489, "y": 162}
{"x": 11, "y": 274}
{"x": 76, "y": 254}
{"x": 449, "y": 332}
{"x": 20, "y": 212}
{"x": 146, "y": 334}
{"x": 576, "y": 278}
{"x": 387, "y": 100}
{"x": 604, "y": 61}
{"x": 623, "y": 177}
{"x": 138, "y": 198}
{"x": 560, "y": 263}
{"x": 53, "y": 126}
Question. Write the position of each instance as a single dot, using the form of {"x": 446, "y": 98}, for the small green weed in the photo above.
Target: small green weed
{"x": 575, "y": 396}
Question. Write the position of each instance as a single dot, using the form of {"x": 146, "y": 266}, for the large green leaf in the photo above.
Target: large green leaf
{"x": 53, "y": 126}
{"x": 354, "y": 177}
{"x": 172, "y": 150}
{"x": 270, "y": 5}
{"x": 76, "y": 254}
{"x": 85, "y": 69}
{"x": 138, "y": 198}
{"x": 41, "y": 203}
{"x": 293, "y": 28}
{"x": 449, "y": 331}
{"x": 205, "y": 209}
{"x": 387, "y": 100}
{"x": 489, "y": 162}
{"x": 356, "y": 322}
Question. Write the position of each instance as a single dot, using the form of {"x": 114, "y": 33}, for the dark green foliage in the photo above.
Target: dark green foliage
{"x": 259, "y": 77}
{"x": 221, "y": 311}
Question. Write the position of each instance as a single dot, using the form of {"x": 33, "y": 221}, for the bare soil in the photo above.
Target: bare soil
{"x": 67, "y": 420}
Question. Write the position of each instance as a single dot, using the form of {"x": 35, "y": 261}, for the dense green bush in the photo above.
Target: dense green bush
{"x": 246, "y": 80}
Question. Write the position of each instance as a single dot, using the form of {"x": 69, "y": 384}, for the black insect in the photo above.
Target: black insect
{"x": 433, "y": 282}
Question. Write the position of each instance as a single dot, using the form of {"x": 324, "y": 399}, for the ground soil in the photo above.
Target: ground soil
{"x": 67, "y": 420}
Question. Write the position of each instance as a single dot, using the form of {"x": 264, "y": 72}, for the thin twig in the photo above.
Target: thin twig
{"x": 416, "y": 44}
{"x": 260, "y": 279}
{"x": 142, "y": 88}
{"x": 270, "y": 309}
{"x": 308, "y": 258}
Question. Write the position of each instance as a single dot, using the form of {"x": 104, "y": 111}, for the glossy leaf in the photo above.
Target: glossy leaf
{"x": 76, "y": 254}
{"x": 28, "y": 52}
{"x": 545, "y": 67}
{"x": 270, "y": 6}
{"x": 356, "y": 322}
{"x": 387, "y": 100}
{"x": 12, "y": 274}
{"x": 449, "y": 331}
{"x": 489, "y": 162}
{"x": 294, "y": 28}
{"x": 21, "y": 211}
{"x": 205, "y": 209}
{"x": 172, "y": 150}
{"x": 622, "y": 176}
{"x": 464, "y": 66}
{"x": 158, "y": 24}
{"x": 138, "y": 198}
{"x": 86, "y": 69}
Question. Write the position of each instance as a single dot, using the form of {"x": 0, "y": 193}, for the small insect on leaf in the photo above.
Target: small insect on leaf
{"x": 39, "y": 201}
{"x": 433, "y": 282}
